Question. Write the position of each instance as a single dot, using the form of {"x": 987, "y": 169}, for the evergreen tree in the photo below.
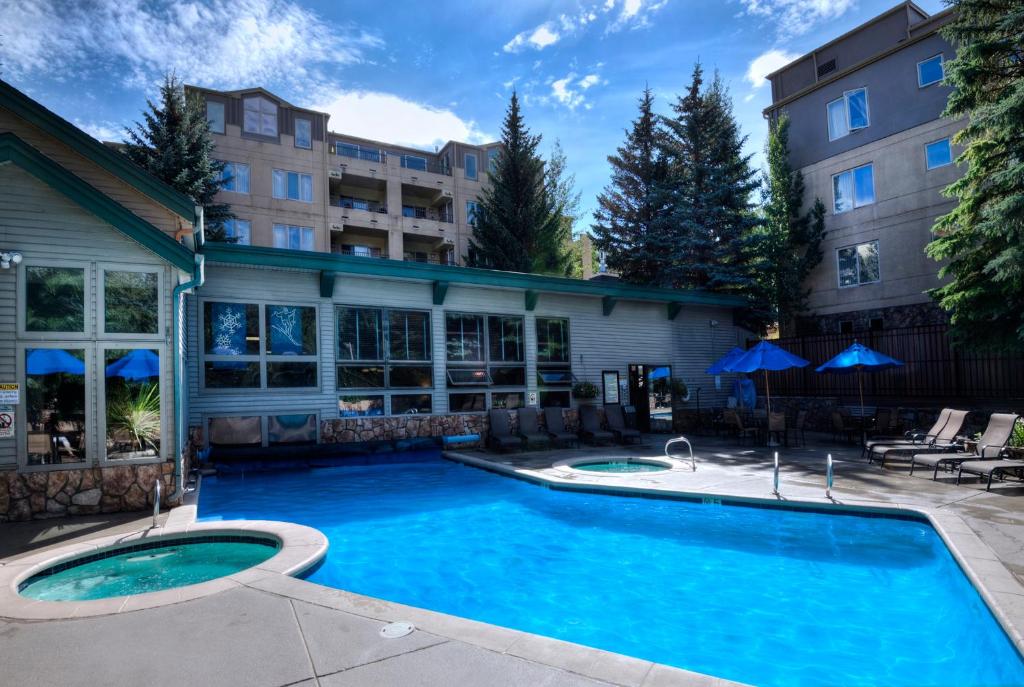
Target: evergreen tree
{"x": 562, "y": 187}
{"x": 983, "y": 237}
{"x": 518, "y": 225}
{"x": 788, "y": 244}
{"x": 628, "y": 206}
{"x": 173, "y": 143}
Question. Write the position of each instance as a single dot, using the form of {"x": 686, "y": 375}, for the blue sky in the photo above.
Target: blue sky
{"x": 416, "y": 72}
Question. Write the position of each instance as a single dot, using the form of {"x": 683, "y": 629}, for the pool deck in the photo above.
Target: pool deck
{"x": 277, "y": 631}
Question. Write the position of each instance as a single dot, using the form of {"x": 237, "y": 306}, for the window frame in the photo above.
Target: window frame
{"x": 261, "y": 99}
{"x": 273, "y": 235}
{"x": 471, "y": 216}
{"x": 855, "y": 246}
{"x": 295, "y": 130}
{"x": 949, "y": 146}
{"x": 248, "y": 176}
{"x": 223, "y": 116}
{"x": 942, "y": 69}
{"x": 852, "y": 171}
{"x": 846, "y": 112}
{"x": 273, "y": 190}
{"x": 486, "y": 363}
{"x": 476, "y": 165}
{"x": 101, "y": 300}
{"x": 88, "y": 320}
{"x": 234, "y": 224}
{"x": 166, "y": 429}
{"x": 552, "y": 365}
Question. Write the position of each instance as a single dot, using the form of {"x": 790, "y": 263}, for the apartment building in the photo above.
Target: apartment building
{"x": 294, "y": 183}
{"x": 868, "y": 134}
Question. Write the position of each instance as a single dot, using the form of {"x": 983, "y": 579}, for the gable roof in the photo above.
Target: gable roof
{"x": 16, "y": 151}
{"x": 114, "y": 162}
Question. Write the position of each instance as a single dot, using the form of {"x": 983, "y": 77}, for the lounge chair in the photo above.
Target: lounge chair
{"x": 617, "y": 424}
{"x": 943, "y": 442}
{"x": 915, "y": 437}
{"x": 500, "y": 437}
{"x": 990, "y": 445}
{"x": 842, "y": 426}
{"x": 799, "y": 429}
{"x": 590, "y": 427}
{"x": 990, "y": 469}
{"x": 555, "y": 422}
{"x": 529, "y": 431}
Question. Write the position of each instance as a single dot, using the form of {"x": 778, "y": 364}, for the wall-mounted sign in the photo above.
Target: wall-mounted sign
{"x": 6, "y": 422}
{"x": 611, "y": 386}
{"x": 533, "y": 398}
{"x": 10, "y": 393}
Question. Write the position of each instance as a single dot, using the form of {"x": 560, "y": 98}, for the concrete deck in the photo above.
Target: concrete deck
{"x": 274, "y": 630}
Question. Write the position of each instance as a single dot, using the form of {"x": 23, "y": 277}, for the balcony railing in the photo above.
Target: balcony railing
{"x": 422, "y": 164}
{"x": 359, "y": 152}
{"x": 420, "y": 212}
{"x": 360, "y": 204}
{"x": 448, "y": 258}
{"x": 360, "y": 251}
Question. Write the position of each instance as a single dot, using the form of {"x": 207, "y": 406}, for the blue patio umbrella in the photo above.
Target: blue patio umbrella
{"x": 858, "y": 358}
{"x": 720, "y": 365}
{"x": 658, "y": 373}
{"x": 139, "y": 363}
{"x": 768, "y": 357}
{"x": 48, "y": 361}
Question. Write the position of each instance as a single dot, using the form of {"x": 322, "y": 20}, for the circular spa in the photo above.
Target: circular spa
{"x": 148, "y": 567}
{"x": 622, "y": 466}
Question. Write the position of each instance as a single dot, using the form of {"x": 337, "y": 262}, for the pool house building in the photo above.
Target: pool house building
{"x": 127, "y": 345}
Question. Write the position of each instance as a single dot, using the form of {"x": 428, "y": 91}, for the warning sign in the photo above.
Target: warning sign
{"x": 6, "y": 422}
{"x": 10, "y": 393}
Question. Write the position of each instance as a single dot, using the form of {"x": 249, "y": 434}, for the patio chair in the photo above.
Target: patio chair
{"x": 943, "y": 442}
{"x": 842, "y": 426}
{"x": 617, "y": 424}
{"x": 500, "y": 437}
{"x": 990, "y": 445}
{"x": 555, "y": 422}
{"x": 915, "y": 437}
{"x": 590, "y": 427}
{"x": 777, "y": 428}
{"x": 799, "y": 428}
{"x": 883, "y": 421}
{"x": 529, "y": 430}
{"x": 733, "y": 418}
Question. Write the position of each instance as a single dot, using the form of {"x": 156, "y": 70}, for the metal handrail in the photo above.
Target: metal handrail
{"x": 156, "y": 501}
{"x": 681, "y": 440}
{"x": 828, "y": 481}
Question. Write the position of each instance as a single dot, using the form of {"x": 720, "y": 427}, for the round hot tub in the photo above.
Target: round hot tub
{"x": 622, "y": 466}
{"x": 148, "y": 567}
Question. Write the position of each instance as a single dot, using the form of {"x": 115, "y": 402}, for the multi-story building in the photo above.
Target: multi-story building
{"x": 293, "y": 183}
{"x": 867, "y": 132}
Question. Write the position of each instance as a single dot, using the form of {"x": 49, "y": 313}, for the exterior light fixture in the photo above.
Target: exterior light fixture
{"x": 8, "y": 259}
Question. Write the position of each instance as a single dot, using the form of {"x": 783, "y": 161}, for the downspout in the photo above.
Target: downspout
{"x": 180, "y": 429}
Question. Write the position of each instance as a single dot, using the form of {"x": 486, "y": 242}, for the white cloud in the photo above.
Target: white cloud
{"x": 589, "y": 80}
{"x": 102, "y": 131}
{"x": 538, "y": 38}
{"x": 220, "y": 43}
{"x": 633, "y": 14}
{"x": 569, "y": 90}
{"x": 797, "y": 17}
{"x": 387, "y": 117}
{"x": 766, "y": 63}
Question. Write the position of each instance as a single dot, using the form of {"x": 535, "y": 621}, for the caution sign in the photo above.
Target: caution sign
{"x": 10, "y": 393}
{"x": 6, "y": 422}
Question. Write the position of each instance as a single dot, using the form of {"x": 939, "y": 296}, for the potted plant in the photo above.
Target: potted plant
{"x": 1016, "y": 449}
{"x": 584, "y": 391}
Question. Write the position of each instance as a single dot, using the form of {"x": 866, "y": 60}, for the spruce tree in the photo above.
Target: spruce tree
{"x": 983, "y": 237}
{"x": 788, "y": 244}
{"x": 628, "y": 206}
{"x": 518, "y": 226}
{"x": 562, "y": 187}
{"x": 173, "y": 143}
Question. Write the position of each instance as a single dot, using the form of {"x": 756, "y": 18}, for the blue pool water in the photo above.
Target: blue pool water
{"x": 763, "y": 596}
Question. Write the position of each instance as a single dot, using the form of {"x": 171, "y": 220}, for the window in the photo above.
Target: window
{"x": 470, "y": 165}
{"x": 938, "y": 154}
{"x": 858, "y": 264}
{"x": 386, "y": 349}
{"x": 930, "y": 71}
{"x": 485, "y": 351}
{"x": 360, "y": 406}
{"x": 295, "y": 238}
{"x": 55, "y": 299}
{"x": 215, "y": 116}
{"x": 293, "y": 186}
{"x": 492, "y": 159}
{"x": 554, "y": 371}
{"x": 852, "y": 189}
{"x": 249, "y": 346}
{"x": 55, "y": 393}
{"x": 291, "y": 429}
{"x": 356, "y": 151}
{"x": 303, "y": 133}
{"x": 131, "y": 302}
{"x": 415, "y": 211}
{"x": 131, "y": 399}
{"x": 414, "y": 162}
{"x": 235, "y": 177}
{"x": 260, "y": 116}
{"x": 848, "y": 113}
{"x": 238, "y": 229}
{"x": 471, "y": 209}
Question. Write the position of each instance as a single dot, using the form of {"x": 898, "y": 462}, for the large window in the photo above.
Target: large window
{"x": 858, "y": 264}
{"x": 379, "y": 350}
{"x": 215, "y": 116}
{"x": 554, "y": 368}
{"x": 296, "y": 238}
{"x": 249, "y": 346}
{"x": 55, "y": 299}
{"x": 470, "y": 165}
{"x": 414, "y": 162}
{"x": 240, "y": 230}
{"x": 471, "y": 209}
{"x": 303, "y": 133}
{"x": 293, "y": 186}
{"x": 853, "y": 188}
{"x": 930, "y": 71}
{"x": 235, "y": 177}
{"x": 55, "y": 405}
{"x": 132, "y": 402}
{"x": 492, "y": 159}
{"x": 848, "y": 113}
{"x": 260, "y": 116}
{"x": 485, "y": 352}
{"x": 938, "y": 154}
{"x": 131, "y": 302}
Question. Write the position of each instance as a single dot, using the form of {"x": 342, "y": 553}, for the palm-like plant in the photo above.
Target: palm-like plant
{"x": 137, "y": 414}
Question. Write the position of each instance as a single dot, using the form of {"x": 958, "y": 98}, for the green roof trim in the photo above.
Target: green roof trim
{"x": 608, "y": 305}
{"x": 440, "y": 292}
{"x": 111, "y": 160}
{"x": 396, "y": 269}
{"x": 16, "y": 151}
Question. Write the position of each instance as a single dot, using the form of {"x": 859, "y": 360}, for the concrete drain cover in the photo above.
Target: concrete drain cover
{"x": 396, "y": 630}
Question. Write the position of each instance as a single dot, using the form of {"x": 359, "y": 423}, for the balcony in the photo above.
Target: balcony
{"x": 446, "y": 258}
{"x": 359, "y": 251}
{"x": 360, "y": 152}
{"x": 350, "y": 203}
{"x": 422, "y": 164}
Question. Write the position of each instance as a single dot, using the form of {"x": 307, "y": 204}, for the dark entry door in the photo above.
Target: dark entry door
{"x": 651, "y": 393}
{"x": 639, "y": 396}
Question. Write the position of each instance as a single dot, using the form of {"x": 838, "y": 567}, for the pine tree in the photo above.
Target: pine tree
{"x": 173, "y": 143}
{"x": 562, "y": 187}
{"x": 983, "y": 237}
{"x": 788, "y": 244}
{"x": 627, "y": 208}
{"x": 518, "y": 225}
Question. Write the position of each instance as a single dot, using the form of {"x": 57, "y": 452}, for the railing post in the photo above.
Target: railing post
{"x": 775, "y": 480}
{"x": 828, "y": 479}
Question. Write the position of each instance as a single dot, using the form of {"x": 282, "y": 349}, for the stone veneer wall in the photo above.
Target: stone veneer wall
{"x": 896, "y": 317}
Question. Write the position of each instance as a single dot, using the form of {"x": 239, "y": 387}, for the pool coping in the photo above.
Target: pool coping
{"x": 1001, "y": 591}
{"x": 300, "y": 548}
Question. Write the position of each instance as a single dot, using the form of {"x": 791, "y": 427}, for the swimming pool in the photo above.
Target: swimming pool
{"x": 760, "y": 595}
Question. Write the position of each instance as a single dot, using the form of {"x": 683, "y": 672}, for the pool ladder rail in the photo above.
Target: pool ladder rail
{"x": 156, "y": 502}
{"x": 681, "y": 440}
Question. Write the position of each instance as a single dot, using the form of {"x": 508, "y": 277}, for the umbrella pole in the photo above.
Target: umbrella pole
{"x": 863, "y": 425}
